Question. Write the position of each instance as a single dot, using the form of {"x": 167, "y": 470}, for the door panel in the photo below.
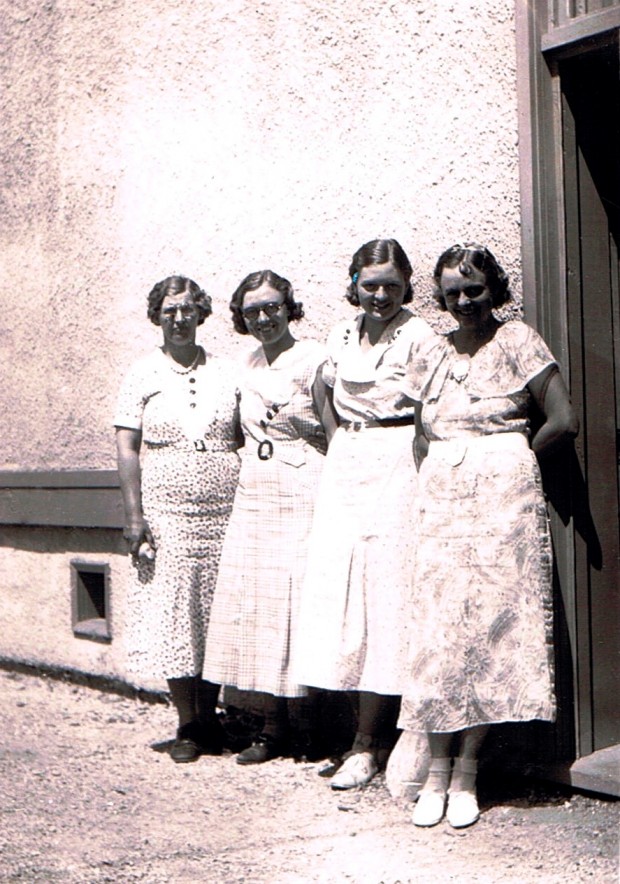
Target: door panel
{"x": 591, "y": 141}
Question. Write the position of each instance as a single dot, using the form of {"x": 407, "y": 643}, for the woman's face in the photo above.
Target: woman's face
{"x": 467, "y": 298}
{"x": 178, "y": 317}
{"x": 265, "y": 314}
{"x": 381, "y": 289}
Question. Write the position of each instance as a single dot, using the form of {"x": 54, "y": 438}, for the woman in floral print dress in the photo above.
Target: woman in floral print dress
{"x": 482, "y": 607}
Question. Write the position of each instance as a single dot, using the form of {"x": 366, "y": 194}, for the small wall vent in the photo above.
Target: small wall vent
{"x": 90, "y": 600}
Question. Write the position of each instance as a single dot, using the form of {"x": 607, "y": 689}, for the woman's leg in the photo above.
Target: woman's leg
{"x": 431, "y": 804}
{"x": 183, "y": 692}
{"x": 272, "y": 739}
{"x": 462, "y": 802}
{"x": 377, "y": 715}
{"x": 303, "y": 721}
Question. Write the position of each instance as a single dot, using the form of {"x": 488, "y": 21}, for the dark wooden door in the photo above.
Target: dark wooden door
{"x": 590, "y": 88}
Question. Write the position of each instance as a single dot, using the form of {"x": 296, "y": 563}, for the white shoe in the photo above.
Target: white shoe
{"x": 462, "y": 810}
{"x": 429, "y": 809}
{"x": 357, "y": 770}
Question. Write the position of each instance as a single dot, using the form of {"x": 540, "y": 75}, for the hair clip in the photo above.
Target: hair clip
{"x": 355, "y": 277}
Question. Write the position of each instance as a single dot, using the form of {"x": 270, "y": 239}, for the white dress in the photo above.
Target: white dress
{"x": 353, "y": 631}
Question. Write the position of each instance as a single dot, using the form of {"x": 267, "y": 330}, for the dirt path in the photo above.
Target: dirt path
{"x": 86, "y": 798}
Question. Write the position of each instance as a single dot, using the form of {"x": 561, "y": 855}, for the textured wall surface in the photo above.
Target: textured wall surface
{"x": 35, "y": 599}
{"x": 147, "y": 137}
{"x": 144, "y": 138}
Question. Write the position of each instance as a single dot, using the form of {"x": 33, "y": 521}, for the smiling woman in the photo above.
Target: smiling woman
{"x": 481, "y": 645}
{"x": 353, "y": 617}
{"x": 254, "y": 619}
{"x": 176, "y": 430}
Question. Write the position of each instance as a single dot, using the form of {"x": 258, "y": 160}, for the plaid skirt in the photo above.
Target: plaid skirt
{"x": 254, "y": 617}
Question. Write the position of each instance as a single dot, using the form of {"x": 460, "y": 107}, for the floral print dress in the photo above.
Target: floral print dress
{"x": 481, "y": 606}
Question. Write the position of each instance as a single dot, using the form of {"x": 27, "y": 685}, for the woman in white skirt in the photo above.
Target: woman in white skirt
{"x": 353, "y": 632}
{"x": 253, "y": 625}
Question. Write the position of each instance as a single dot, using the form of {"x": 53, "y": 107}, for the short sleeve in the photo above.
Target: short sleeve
{"x": 425, "y": 355}
{"x": 335, "y": 342}
{"x": 529, "y": 354}
{"x": 130, "y": 402}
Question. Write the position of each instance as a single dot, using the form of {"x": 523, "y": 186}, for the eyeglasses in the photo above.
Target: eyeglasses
{"x": 186, "y": 310}
{"x": 251, "y": 314}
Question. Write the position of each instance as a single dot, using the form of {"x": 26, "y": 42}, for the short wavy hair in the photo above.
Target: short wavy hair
{"x": 465, "y": 256}
{"x": 178, "y": 285}
{"x": 254, "y": 281}
{"x": 379, "y": 251}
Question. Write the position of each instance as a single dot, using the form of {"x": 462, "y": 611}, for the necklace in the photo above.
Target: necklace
{"x": 185, "y": 369}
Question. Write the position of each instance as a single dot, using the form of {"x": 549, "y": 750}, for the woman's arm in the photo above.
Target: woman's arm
{"x": 136, "y": 531}
{"x": 561, "y": 423}
{"x": 323, "y": 396}
{"x": 420, "y": 442}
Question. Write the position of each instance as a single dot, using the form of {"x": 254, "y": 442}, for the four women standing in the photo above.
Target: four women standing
{"x": 470, "y": 643}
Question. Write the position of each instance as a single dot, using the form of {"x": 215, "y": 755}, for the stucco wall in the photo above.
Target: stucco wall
{"x": 35, "y": 599}
{"x": 148, "y": 137}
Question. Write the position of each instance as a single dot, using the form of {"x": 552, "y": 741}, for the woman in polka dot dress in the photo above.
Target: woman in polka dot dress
{"x": 177, "y": 436}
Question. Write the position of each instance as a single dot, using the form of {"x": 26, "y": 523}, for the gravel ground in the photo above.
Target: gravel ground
{"x": 88, "y": 794}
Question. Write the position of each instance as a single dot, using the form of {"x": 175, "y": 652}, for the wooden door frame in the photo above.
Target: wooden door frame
{"x": 540, "y": 48}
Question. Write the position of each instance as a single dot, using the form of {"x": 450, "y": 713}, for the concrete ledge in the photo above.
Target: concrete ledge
{"x": 76, "y": 499}
{"x": 598, "y": 772}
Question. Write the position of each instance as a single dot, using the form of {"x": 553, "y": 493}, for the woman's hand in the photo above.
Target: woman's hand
{"x": 561, "y": 422}
{"x": 140, "y": 539}
{"x": 137, "y": 532}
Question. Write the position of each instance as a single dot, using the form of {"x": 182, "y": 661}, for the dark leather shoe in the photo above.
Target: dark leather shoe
{"x": 186, "y": 747}
{"x": 264, "y": 748}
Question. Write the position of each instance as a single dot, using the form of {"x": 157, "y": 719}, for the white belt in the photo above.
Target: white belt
{"x": 453, "y": 451}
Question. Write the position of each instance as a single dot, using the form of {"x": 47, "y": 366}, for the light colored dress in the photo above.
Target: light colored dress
{"x": 254, "y": 618}
{"x": 353, "y": 632}
{"x": 482, "y": 604}
{"x": 189, "y": 466}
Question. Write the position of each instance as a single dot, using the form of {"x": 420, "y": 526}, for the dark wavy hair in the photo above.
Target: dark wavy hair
{"x": 468, "y": 255}
{"x": 178, "y": 285}
{"x": 254, "y": 281}
{"x": 379, "y": 251}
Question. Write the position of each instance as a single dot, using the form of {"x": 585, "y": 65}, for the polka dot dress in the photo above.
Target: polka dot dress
{"x": 190, "y": 467}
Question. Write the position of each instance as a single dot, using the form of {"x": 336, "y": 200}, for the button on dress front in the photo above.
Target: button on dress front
{"x": 189, "y": 468}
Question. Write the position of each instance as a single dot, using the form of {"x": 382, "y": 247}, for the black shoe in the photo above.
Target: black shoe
{"x": 187, "y": 746}
{"x": 264, "y": 748}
